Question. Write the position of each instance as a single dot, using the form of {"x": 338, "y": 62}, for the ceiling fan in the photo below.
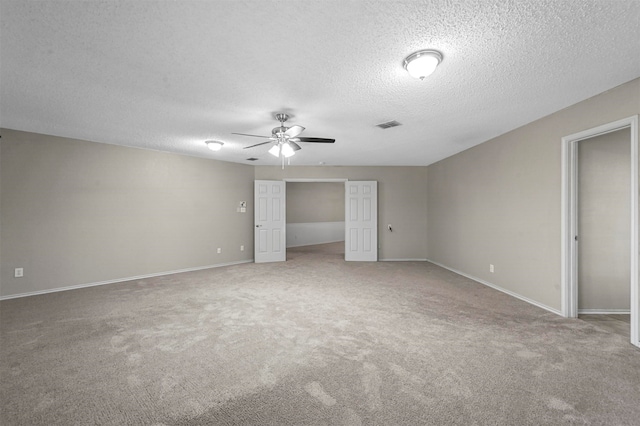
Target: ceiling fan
{"x": 285, "y": 139}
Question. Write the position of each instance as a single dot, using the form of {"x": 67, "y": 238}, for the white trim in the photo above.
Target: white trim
{"x": 565, "y": 233}
{"x": 495, "y": 287}
{"x": 604, "y": 311}
{"x": 402, "y": 260}
{"x": 634, "y": 330}
{"x": 314, "y": 180}
{"x": 120, "y": 280}
{"x": 569, "y": 286}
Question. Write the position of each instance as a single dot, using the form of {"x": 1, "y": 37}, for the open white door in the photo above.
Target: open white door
{"x": 361, "y": 221}
{"x": 270, "y": 224}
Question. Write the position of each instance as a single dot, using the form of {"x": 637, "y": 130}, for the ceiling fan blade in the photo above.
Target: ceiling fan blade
{"x": 294, "y": 131}
{"x": 258, "y": 144}
{"x": 294, "y": 145}
{"x": 317, "y": 140}
{"x": 255, "y": 136}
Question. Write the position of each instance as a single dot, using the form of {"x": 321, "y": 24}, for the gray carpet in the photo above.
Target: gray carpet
{"x": 614, "y": 323}
{"x": 313, "y": 341}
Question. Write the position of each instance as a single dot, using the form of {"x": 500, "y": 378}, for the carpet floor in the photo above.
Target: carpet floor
{"x": 312, "y": 341}
{"x": 615, "y": 323}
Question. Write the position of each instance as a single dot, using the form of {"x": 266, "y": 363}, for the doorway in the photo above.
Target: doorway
{"x": 360, "y": 219}
{"x": 575, "y": 219}
{"x": 315, "y": 214}
{"x": 604, "y": 176}
{"x": 359, "y": 229}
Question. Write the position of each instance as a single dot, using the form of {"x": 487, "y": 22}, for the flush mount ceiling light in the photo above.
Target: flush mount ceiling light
{"x": 214, "y": 145}
{"x": 422, "y": 63}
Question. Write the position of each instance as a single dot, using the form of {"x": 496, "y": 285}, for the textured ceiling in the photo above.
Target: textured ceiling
{"x": 168, "y": 75}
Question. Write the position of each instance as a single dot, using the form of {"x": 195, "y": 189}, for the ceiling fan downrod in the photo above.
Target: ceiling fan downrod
{"x": 279, "y": 131}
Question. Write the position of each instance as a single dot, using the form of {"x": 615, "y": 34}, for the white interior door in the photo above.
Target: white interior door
{"x": 361, "y": 221}
{"x": 270, "y": 223}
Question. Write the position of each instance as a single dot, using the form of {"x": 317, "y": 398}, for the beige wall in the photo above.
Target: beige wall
{"x": 309, "y": 202}
{"x": 402, "y": 202}
{"x": 499, "y": 202}
{"x": 604, "y": 173}
{"x": 77, "y": 212}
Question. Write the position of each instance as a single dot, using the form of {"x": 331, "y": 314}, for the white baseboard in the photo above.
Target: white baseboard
{"x": 495, "y": 287}
{"x": 120, "y": 280}
{"x": 604, "y": 311}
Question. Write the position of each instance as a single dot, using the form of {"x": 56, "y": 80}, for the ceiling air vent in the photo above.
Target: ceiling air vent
{"x": 252, "y": 159}
{"x": 389, "y": 124}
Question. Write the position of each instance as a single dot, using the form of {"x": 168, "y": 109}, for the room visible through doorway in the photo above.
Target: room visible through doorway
{"x": 315, "y": 215}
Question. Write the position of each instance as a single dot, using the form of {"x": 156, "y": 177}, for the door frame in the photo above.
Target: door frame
{"x": 330, "y": 180}
{"x": 569, "y": 207}
{"x": 314, "y": 180}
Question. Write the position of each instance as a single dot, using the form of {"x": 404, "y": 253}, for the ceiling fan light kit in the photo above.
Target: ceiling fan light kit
{"x": 283, "y": 149}
{"x": 214, "y": 145}
{"x": 422, "y": 63}
{"x": 274, "y": 150}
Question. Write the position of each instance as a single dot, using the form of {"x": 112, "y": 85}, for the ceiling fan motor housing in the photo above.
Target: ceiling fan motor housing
{"x": 279, "y": 131}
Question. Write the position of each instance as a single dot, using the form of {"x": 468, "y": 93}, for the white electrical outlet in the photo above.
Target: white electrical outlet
{"x": 18, "y": 273}
{"x": 241, "y": 248}
{"x": 219, "y": 250}
{"x": 491, "y": 268}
